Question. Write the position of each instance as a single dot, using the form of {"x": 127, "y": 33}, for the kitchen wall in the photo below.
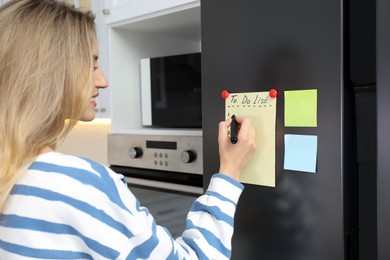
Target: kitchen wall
{"x": 88, "y": 139}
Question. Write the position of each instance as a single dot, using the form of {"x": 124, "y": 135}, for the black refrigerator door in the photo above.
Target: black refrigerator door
{"x": 257, "y": 45}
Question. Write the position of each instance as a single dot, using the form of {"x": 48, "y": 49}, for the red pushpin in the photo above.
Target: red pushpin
{"x": 225, "y": 94}
{"x": 273, "y": 93}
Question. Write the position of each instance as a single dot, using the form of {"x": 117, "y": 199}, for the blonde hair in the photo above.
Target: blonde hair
{"x": 46, "y": 66}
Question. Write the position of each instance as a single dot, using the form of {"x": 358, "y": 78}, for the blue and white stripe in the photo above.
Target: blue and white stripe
{"x": 69, "y": 207}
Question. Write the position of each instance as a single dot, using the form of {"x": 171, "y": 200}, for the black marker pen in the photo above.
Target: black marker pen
{"x": 233, "y": 130}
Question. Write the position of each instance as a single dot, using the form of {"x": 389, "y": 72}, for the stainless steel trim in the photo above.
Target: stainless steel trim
{"x": 146, "y": 102}
{"x": 165, "y": 185}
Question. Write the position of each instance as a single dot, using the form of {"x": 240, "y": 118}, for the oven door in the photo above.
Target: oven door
{"x": 167, "y": 195}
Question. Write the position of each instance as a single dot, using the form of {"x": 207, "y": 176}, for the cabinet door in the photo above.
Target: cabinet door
{"x": 124, "y": 10}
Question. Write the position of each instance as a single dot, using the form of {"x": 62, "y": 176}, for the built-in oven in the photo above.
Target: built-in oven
{"x": 162, "y": 160}
{"x": 164, "y": 171}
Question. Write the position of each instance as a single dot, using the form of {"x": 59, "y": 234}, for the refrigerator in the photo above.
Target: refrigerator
{"x": 258, "y": 45}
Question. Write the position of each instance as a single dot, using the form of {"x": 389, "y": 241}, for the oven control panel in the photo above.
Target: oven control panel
{"x": 177, "y": 153}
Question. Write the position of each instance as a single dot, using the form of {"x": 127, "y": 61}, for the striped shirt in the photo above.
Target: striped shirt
{"x": 66, "y": 207}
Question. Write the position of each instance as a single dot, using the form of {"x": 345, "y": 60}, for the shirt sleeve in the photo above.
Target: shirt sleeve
{"x": 210, "y": 222}
{"x": 208, "y": 232}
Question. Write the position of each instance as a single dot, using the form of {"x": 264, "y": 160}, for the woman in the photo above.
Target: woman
{"x": 60, "y": 206}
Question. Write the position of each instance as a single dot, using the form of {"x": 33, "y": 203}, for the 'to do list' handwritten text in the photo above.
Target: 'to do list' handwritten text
{"x": 256, "y": 100}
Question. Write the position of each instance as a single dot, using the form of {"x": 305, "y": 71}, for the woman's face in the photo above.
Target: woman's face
{"x": 99, "y": 81}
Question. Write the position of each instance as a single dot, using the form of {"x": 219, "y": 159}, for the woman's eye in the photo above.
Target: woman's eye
{"x": 95, "y": 67}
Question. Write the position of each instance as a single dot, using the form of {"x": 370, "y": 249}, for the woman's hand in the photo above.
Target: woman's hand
{"x": 234, "y": 157}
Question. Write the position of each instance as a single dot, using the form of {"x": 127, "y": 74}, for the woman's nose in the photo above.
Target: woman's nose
{"x": 100, "y": 80}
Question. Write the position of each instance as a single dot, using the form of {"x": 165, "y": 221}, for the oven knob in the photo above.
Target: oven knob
{"x": 135, "y": 152}
{"x": 188, "y": 156}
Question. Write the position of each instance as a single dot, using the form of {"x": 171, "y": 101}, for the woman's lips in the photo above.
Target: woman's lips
{"x": 93, "y": 101}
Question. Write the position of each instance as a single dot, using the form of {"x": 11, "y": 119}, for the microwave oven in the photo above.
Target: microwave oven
{"x": 171, "y": 91}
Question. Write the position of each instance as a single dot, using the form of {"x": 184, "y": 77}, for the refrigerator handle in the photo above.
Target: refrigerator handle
{"x": 350, "y": 244}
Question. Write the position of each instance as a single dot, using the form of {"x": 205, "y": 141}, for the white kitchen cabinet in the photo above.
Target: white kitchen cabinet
{"x": 127, "y": 11}
{"x": 140, "y": 29}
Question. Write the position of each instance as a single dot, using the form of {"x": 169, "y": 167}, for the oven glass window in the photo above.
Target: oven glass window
{"x": 168, "y": 209}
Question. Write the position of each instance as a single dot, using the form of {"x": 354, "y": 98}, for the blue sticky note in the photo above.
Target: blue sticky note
{"x": 300, "y": 153}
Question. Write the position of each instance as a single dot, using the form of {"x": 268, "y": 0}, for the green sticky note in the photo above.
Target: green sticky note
{"x": 300, "y": 108}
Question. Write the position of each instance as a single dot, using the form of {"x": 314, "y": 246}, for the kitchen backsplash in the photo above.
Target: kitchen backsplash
{"x": 88, "y": 139}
